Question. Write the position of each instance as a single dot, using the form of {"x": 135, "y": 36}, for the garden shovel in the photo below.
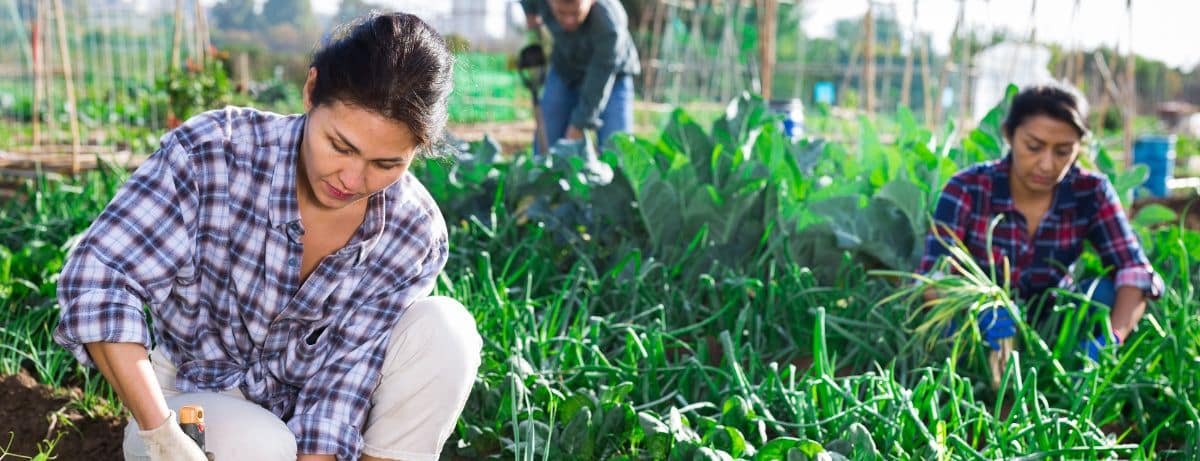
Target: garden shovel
{"x": 531, "y": 66}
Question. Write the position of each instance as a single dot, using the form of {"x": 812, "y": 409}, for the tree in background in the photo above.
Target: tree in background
{"x": 296, "y": 13}
{"x": 350, "y": 9}
{"x": 234, "y": 15}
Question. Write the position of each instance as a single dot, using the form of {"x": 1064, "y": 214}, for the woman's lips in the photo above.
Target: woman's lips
{"x": 337, "y": 193}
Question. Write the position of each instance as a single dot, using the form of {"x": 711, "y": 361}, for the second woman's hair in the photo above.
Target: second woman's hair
{"x": 392, "y": 64}
{"x": 1054, "y": 100}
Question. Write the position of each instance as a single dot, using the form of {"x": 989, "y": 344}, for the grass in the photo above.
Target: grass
{"x": 648, "y": 359}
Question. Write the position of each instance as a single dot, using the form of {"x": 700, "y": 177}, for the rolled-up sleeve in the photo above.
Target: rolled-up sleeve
{"x": 129, "y": 255}
{"x": 1118, "y": 246}
{"x": 332, "y": 407}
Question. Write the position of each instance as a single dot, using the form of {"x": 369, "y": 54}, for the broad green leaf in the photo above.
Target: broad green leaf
{"x": 776, "y": 449}
{"x": 1154, "y": 214}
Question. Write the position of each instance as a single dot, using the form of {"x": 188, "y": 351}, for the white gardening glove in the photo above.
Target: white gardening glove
{"x": 167, "y": 442}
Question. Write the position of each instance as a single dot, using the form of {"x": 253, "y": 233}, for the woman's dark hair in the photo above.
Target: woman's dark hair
{"x": 392, "y": 64}
{"x": 1054, "y": 100}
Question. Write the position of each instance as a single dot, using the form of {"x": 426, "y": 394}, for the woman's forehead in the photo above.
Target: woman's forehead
{"x": 1048, "y": 129}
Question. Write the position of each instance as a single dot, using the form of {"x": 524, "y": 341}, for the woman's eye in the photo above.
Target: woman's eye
{"x": 1033, "y": 147}
{"x": 387, "y": 166}
{"x": 340, "y": 149}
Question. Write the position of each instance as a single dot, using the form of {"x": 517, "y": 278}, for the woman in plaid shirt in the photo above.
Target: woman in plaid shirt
{"x": 1049, "y": 208}
{"x": 287, "y": 263}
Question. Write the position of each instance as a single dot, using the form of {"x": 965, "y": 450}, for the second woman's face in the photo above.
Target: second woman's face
{"x": 1044, "y": 148}
{"x": 350, "y": 153}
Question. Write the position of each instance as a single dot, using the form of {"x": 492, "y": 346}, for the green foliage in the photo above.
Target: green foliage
{"x": 704, "y": 295}
{"x": 194, "y": 88}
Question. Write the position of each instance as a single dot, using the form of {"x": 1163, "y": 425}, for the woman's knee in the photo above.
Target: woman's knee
{"x": 447, "y": 328}
{"x": 234, "y": 429}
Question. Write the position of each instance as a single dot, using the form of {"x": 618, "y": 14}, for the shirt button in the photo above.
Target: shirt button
{"x": 292, "y": 261}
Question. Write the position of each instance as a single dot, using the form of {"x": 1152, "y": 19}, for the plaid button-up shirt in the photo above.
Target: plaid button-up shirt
{"x": 207, "y": 234}
{"x": 1085, "y": 207}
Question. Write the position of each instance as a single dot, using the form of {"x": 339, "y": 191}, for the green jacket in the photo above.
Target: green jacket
{"x": 592, "y": 57}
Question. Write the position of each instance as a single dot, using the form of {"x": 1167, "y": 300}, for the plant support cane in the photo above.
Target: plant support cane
{"x": 998, "y": 360}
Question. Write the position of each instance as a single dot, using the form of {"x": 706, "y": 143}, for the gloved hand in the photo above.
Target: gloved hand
{"x": 996, "y": 324}
{"x": 1092, "y": 347}
{"x": 167, "y": 442}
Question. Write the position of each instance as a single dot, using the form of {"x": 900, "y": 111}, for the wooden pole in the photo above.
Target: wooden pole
{"x": 906, "y": 81}
{"x": 201, "y": 27}
{"x": 64, "y": 50}
{"x": 650, "y": 81}
{"x": 38, "y": 57}
{"x": 869, "y": 56}
{"x": 48, "y": 73}
{"x": 176, "y": 41}
{"x": 767, "y": 23}
{"x": 1130, "y": 89}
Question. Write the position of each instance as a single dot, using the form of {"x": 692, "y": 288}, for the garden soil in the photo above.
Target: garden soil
{"x": 26, "y": 411}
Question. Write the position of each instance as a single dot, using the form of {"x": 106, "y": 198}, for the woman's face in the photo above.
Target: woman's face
{"x": 1044, "y": 148}
{"x": 570, "y": 14}
{"x": 349, "y": 153}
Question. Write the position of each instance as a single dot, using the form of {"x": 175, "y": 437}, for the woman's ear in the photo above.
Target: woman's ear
{"x": 309, "y": 83}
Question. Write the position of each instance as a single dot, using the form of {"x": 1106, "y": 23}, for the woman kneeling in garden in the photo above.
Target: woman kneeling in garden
{"x": 287, "y": 262}
{"x": 1049, "y": 208}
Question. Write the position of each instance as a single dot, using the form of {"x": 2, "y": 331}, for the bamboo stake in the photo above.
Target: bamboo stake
{"x": 48, "y": 73}
{"x": 175, "y": 42}
{"x": 64, "y": 50}
{"x": 650, "y": 79}
{"x": 38, "y": 56}
{"x": 767, "y": 46}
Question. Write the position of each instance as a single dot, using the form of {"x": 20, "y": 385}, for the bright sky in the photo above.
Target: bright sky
{"x": 1162, "y": 29}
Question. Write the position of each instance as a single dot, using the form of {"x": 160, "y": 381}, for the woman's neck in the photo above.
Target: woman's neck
{"x": 1022, "y": 195}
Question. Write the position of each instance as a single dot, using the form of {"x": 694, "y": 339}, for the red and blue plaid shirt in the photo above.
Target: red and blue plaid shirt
{"x": 207, "y": 233}
{"x": 1085, "y": 208}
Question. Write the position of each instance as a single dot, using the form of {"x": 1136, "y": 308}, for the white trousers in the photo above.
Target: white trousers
{"x": 428, "y": 372}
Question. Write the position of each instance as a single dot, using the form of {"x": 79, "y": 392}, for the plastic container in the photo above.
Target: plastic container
{"x": 793, "y": 116}
{"x": 1158, "y": 154}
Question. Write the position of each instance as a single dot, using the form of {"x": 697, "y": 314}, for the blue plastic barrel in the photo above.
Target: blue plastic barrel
{"x": 793, "y": 116}
{"x": 1158, "y": 154}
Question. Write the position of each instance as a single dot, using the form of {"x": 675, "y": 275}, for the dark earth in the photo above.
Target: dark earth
{"x": 27, "y": 409}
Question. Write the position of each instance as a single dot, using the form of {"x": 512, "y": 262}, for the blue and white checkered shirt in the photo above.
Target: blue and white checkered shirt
{"x": 207, "y": 234}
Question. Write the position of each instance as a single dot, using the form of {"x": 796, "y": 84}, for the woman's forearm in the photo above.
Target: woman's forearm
{"x": 1127, "y": 310}
{"x": 127, "y": 368}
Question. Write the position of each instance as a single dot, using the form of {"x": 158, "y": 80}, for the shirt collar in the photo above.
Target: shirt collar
{"x": 1064, "y": 196}
{"x": 284, "y": 137}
